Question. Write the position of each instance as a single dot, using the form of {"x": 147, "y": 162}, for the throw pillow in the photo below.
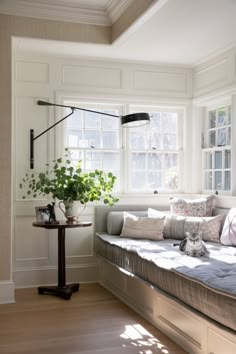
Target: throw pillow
{"x": 175, "y": 226}
{"x": 143, "y": 227}
{"x": 228, "y": 235}
{"x": 115, "y": 220}
{"x": 196, "y": 207}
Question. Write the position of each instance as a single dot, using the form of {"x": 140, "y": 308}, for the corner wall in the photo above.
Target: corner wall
{"x": 11, "y": 26}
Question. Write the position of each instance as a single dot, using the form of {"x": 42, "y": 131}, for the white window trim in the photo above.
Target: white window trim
{"x": 180, "y": 142}
{"x": 113, "y": 101}
{"x": 225, "y": 101}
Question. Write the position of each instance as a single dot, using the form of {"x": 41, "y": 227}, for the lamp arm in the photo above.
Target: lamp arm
{"x": 44, "y": 103}
{"x": 127, "y": 120}
{"x": 52, "y": 126}
{"x": 32, "y": 138}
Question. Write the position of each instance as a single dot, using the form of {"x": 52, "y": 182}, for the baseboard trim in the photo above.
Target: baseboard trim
{"x": 33, "y": 277}
{"x": 7, "y": 294}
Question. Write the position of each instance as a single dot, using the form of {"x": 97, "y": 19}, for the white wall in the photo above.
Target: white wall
{"x": 49, "y": 78}
{"x": 216, "y": 75}
{"x": 214, "y": 84}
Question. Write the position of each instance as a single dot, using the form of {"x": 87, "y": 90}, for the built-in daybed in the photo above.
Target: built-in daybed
{"x": 192, "y": 300}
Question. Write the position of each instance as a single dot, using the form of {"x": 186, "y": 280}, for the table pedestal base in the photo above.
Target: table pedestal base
{"x": 65, "y": 291}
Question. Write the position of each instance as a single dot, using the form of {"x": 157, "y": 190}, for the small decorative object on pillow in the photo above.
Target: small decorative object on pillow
{"x": 143, "y": 227}
{"x": 228, "y": 235}
{"x": 195, "y": 207}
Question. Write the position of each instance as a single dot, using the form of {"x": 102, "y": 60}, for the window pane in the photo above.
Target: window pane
{"x": 227, "y": 158}
{"x": 154, "y": 180}
{"x": 169, "y": 122}
{"x": 75, "y": 120}
{"x": 171, "y": 171}
{"x": 218, "y": 159}
{"x": 208, "y": 180}
{"x": 221, "y": 117}
{"x": 221, "y": 137}
{"x": 212, "y": 138}
{"x": 171, "y": 179}
{"x": 229, "y": 115}
{"x": 228, "y": 141}
{"x": 212, "y": 119}
{"x": 154, "y": 140}
{"x": 111, "y": 161}
{"x": 92, "y": 120}
{"x": 208, "y": 160}
{"x": 110, "y": 139}
{"x": 93, "y": 160}
{"x": 154, "y": 162}
{"x": 74, "y": 137}
{"x": 76, "y": 156}
{"x": 218, "y": 180}
{"x": 110, "y": 122}
{"x": 92, "y": 138}
{"x": 169, "y": 141}
{"x": 139, "y": 161}
{"x": 137, "y": 140}
{"x": 227, "y": 180}
{"x": 138, "y": 181}
{"x": 170, "y": 160}
{"x": 155, "y": 122}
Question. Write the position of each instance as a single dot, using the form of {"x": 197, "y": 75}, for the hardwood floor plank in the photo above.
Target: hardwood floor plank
{"x": 93, "y": 321}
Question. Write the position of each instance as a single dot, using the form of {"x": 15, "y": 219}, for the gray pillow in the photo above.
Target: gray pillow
{"x": 175, "y": 226}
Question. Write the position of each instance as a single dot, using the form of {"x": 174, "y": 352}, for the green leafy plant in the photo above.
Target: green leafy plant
{"x": 66, "y": 182}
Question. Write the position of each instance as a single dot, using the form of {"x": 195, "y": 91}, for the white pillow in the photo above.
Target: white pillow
{"x": 228, "y": 235}
{"x": 143, "y": 227}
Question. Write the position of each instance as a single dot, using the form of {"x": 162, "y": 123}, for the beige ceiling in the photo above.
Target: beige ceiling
{"x": 178, "y": 32}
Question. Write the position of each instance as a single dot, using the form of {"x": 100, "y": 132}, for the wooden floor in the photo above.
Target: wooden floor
{"x": 93, "y": 321}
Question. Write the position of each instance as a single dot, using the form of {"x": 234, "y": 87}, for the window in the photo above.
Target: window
{"x": 217, "y": 154}
{"x": 154, "y": 153}
{"x": 144, "y": 159}
{"x": 95, "y": 139}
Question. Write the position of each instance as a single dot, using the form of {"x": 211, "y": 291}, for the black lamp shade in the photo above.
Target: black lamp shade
{"x": 135, "y": 120}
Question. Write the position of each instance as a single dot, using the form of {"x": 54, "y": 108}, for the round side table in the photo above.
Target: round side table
{"x": 61, "y": 289}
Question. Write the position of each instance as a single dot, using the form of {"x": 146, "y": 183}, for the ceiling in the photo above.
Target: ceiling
{"x": 101, "y": 12}
{"x": 181, "y": 32}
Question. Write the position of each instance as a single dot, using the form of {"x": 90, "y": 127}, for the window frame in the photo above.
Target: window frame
{"x": 96, "y": 106}
{"x": 132, "y": 108}
{"x": 126, "y": 108}
{"x": 214, "y": 149}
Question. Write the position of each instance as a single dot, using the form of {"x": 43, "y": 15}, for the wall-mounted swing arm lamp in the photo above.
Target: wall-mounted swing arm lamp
{"x": 127, "y": 121}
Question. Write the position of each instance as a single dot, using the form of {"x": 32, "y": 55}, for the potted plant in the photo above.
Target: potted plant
{"x": 68, "y": 183}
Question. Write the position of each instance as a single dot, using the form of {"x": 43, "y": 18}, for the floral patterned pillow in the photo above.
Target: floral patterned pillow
{"x": 195, "y": 207}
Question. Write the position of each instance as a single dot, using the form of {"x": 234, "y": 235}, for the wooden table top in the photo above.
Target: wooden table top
{"x": 62, "y": 224}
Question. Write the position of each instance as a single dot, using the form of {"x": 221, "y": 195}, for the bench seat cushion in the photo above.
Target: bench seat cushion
{"x": 206, "y": 284}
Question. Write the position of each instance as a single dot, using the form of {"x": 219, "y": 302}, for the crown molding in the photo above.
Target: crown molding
{"x": 67, "y": 11}
{"x": 115, "y": 8}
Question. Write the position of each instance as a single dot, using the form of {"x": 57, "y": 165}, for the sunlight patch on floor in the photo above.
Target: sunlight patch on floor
{"x": 139, "y": 337}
